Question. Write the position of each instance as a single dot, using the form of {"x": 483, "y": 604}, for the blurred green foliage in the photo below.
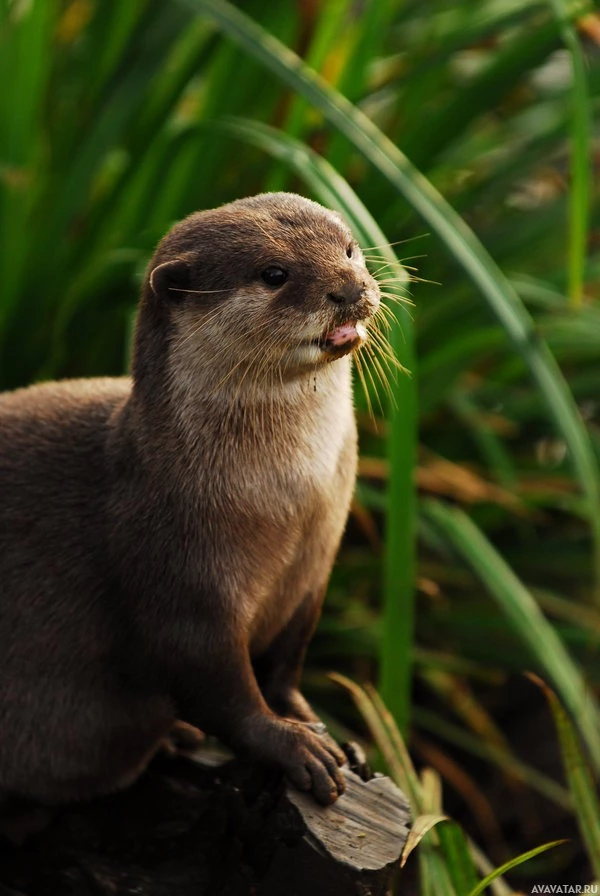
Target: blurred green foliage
{"x": 462, "y": 134}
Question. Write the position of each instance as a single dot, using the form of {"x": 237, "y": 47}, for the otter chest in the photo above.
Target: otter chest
{"x": 290, "y": 520}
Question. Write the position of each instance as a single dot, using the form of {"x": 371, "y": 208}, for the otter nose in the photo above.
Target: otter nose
{"x": 347, "y": 294}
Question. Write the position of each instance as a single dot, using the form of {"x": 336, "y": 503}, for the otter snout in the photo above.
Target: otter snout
{"x": 353, "y": 292}
{"x": 349, "y": 293}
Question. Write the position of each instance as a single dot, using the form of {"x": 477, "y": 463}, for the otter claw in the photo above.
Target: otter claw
{"x": 318, "y": 727}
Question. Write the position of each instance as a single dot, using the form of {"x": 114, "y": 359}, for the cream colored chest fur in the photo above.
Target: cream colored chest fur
{"x": 281, "y": 495}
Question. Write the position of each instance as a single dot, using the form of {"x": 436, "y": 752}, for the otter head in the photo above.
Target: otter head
{"x": 273, "y": 286}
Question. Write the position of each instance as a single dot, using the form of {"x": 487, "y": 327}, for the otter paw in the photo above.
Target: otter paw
{"x": 313, "y": 763}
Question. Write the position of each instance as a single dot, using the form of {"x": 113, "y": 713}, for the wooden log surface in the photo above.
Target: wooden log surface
{"x": 202, "y": 826}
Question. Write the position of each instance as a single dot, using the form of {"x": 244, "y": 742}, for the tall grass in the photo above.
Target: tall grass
{"x": 581, "y": 153}
{"x": 460, "y": 134}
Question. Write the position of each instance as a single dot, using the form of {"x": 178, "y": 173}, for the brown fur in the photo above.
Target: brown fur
{"x": 166, "y": 541}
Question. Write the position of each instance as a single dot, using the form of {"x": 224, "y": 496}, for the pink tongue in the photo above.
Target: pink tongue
{"x": 343, "y": 334}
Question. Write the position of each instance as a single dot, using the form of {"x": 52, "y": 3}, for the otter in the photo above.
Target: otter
{"x": 166, "y": 539}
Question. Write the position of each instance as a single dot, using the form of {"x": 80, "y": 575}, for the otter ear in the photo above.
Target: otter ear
{"x": 170, "y": 280}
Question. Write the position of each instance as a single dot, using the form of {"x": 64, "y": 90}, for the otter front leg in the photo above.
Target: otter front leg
{"x": 279, "y": 668}
{"x": 219, "y": 693}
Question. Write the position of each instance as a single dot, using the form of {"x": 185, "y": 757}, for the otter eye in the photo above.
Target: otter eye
{"x": 274, "y": 276}
{"x": 349, "y": 251}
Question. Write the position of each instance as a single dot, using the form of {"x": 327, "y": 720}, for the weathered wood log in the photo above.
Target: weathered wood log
{"x": 199, "y": 827}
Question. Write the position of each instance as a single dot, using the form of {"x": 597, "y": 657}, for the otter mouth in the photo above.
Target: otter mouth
{"x": 342, "y": 339}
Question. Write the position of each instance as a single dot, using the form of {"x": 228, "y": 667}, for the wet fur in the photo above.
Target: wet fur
{"x": 166, "y": 541}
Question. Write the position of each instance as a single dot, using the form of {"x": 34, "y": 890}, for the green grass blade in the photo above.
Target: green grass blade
{"x": 115, "y": 26}
{"x": 434, "y": 135}
{"x": 581, "y": 783}
{"x": 441, "y": 217}
{"x": 389, "y": 740}
{"x": 26, "y": 35}
{"x": 325, "y": 36}
{"x": 399, "y": 569}
{"x": 513, "y": 863}
{"x": 371, "y": 22}
{"x": 524, "y": 614}
{"x": 498, "y": 886}
{"x": 399, "y": 560}
{"x": 581, "y": 155}
{"x": 434, "y": 877}
{"x": 455, "y": 848}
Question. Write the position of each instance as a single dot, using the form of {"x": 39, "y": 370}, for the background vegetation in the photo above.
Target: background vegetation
{"x": 463, "y": 135}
